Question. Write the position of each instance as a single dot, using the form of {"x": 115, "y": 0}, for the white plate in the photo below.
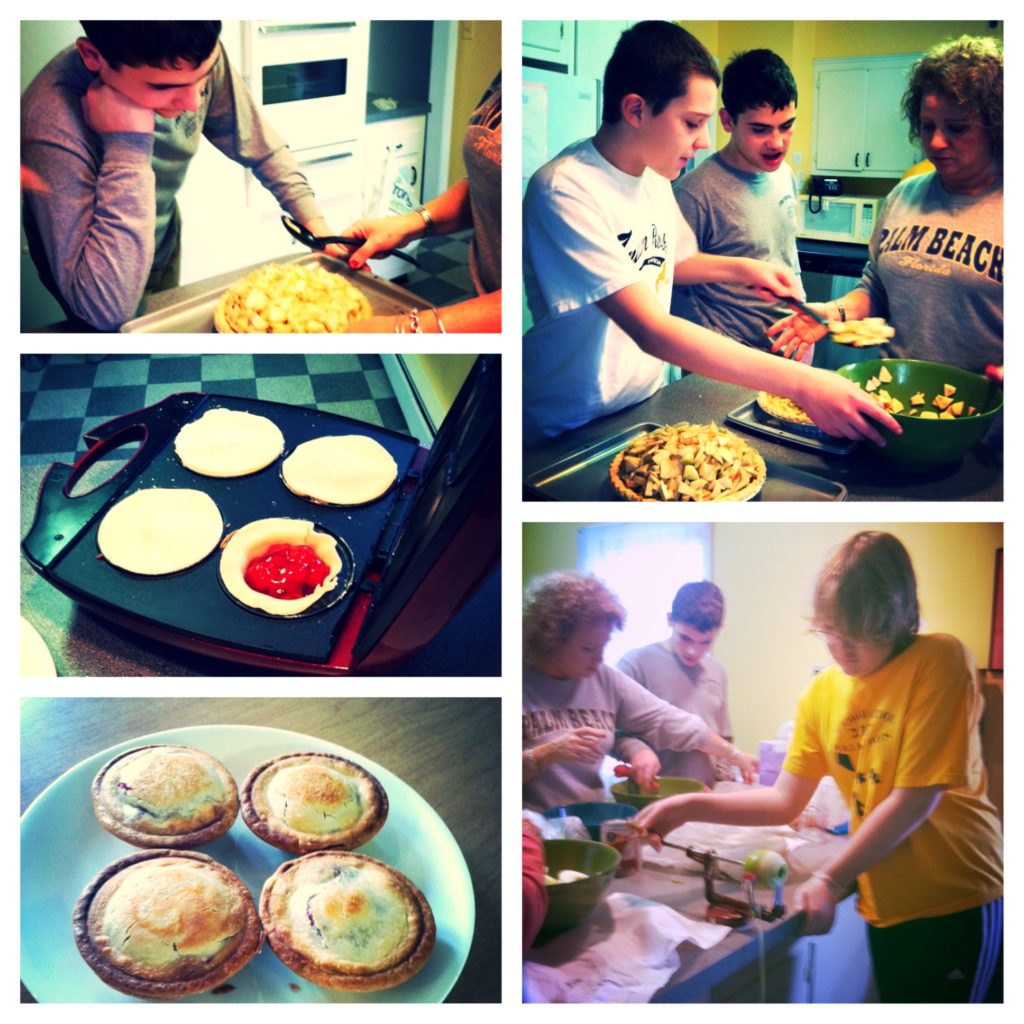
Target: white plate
{"x": 63, "y": 846}
{"x": 36, "y": 659}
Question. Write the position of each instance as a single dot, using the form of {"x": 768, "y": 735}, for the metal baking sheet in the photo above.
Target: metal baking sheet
{"x": 752, "y": 417}
{"x": 583, "y": 476}
{"x": 62, "y": 543}
{"x": 195, "y": 316}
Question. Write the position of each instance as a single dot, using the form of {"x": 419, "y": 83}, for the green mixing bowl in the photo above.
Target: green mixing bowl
{"x": 629, "y": 792}
{"x": 570, "y": 902}
{"x": 926, "y": 443}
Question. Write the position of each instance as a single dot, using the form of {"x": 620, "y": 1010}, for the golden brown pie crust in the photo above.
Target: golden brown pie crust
{"x": 738, "y": 471}
{"x": 165, "y": 796}
{"x": 346, "y": 921}
{"x": 306, "y": 802}
{"x": 782, "y": 408}
{"x": 161, "y": 924}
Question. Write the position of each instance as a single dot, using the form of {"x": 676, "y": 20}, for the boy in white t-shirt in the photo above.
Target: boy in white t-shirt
{"x": 603, "y": 243}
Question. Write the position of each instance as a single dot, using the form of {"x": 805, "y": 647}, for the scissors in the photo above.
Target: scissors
{"x": 320, "y": 242}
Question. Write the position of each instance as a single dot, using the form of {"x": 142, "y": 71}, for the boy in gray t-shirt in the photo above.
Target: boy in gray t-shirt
{"x": 681, "y": 671}
{"x": 742, "y": 201}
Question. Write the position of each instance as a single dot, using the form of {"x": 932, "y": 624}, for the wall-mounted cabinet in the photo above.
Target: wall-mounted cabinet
{"x": 858, "y": 125}
{"x": 549, "y": 41}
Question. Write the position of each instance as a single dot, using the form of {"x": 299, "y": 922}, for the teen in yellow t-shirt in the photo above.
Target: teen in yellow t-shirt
{"x": 895, "y": 723}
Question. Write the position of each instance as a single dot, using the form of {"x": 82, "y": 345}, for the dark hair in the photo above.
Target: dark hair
{"x": 155, "y": 44}
{"x": 757, "y": 78}
{"x": 969, "y": 71}
{"x": 655, "y": 60}
{"x": 867, "y": 590}
{"x": 700, "y": 605}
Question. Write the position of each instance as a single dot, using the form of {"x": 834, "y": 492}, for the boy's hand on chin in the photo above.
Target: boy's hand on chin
{"x": 107, "y": 110}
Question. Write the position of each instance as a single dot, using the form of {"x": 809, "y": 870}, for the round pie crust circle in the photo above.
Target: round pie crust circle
{"x": 161, "y": 924}
{"x": 254, "y": 539}
{"x": 228, "y": 443}
{"x": 160, "y": 530}
{"x": 346, "y": 921}
{"x": 346, "y": 470}
{"x": 306, "y": 802}
{"x": 165, "y": 796}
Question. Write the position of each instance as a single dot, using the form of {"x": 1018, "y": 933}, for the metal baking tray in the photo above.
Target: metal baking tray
{"x": 193, "y": 604}
{"x": 752, "y": 417}
{"x": 583, "y": 476}
{"x": 195, "y": 315}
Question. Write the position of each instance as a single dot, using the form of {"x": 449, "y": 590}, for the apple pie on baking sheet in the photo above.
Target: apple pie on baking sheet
{"x": 290, "y": 299}
{"x": 688, "y": 462}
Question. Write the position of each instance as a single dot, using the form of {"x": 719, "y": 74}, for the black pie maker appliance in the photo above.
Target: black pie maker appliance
{"x": 410, "y": 559}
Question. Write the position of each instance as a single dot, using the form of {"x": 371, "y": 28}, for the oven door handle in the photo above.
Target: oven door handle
{"x": 311, "y": 27}
{"x": 322, "y": 159}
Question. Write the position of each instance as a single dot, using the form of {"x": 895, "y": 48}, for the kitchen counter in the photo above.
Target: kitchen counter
{"x": 976, "y": 477}
{"x": 402, "y": 735}
{"x": 405, "y": 108}
{"x": 798, "y": 968}
{"x": 157, "y": 302}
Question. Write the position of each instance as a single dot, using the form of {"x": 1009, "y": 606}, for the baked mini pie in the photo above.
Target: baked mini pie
{"x": 161, "y": 924}
{"x": 349, "y": 469}
{"x": 314, "y": 561}
{"x": 306, "y": 802}
{"x": 165, "y": 796}
{"x": 290, "y": 299}
{"x": 228, "y": 443}
{"x": 160, "y": 530}
{"x": 346, "y": 921}
{"x": 688, "y": 462}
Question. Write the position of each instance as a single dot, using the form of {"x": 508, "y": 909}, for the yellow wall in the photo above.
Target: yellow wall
{"x": 445, "y": 374}
{"x": 477, "y": 62}
{"x": 800, "y": 43}
{"x": 767, "y": 572}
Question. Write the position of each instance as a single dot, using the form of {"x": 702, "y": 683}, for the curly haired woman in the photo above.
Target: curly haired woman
{"x": 936, "y": 256}
{"x": 573, "y": 703}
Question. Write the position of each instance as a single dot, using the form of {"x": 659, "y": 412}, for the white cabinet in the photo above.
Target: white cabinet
{"x": 550, "y": 41}
{"x": 858, "y": 125}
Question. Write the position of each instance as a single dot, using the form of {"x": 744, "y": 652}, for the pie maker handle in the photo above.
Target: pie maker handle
{"x": 60, "y": 516}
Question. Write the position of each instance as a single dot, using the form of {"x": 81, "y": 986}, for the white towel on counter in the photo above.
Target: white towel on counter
{"x": 622, "y": 953}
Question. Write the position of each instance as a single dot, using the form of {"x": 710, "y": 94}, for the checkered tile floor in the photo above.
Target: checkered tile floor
{"x": 69, "y": 396}
{"x": 442, "y": 277}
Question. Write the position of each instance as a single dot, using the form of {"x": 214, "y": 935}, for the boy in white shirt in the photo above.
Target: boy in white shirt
{"x": 603, "y": 242}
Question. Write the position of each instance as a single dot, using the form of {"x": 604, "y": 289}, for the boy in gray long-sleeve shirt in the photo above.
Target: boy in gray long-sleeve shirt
{"x": 682, "y": 671}
{"x": 110, "y": 125}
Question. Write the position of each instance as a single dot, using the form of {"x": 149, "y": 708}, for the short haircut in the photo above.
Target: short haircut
{"x": 757, "y": 78}
{"x": 554, "y": 605}
{"x": 700, "y": 605}
{"x": 655, "y": 60}
{"x": 155, "y": 44}
{"x": 867, "y": 590}
{"x": 968, "y": 71}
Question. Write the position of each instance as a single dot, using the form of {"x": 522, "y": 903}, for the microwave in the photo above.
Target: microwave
{"x": 838, "y": 218}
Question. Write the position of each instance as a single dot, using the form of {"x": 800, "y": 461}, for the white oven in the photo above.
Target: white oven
{"x": 310, "y": 79}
